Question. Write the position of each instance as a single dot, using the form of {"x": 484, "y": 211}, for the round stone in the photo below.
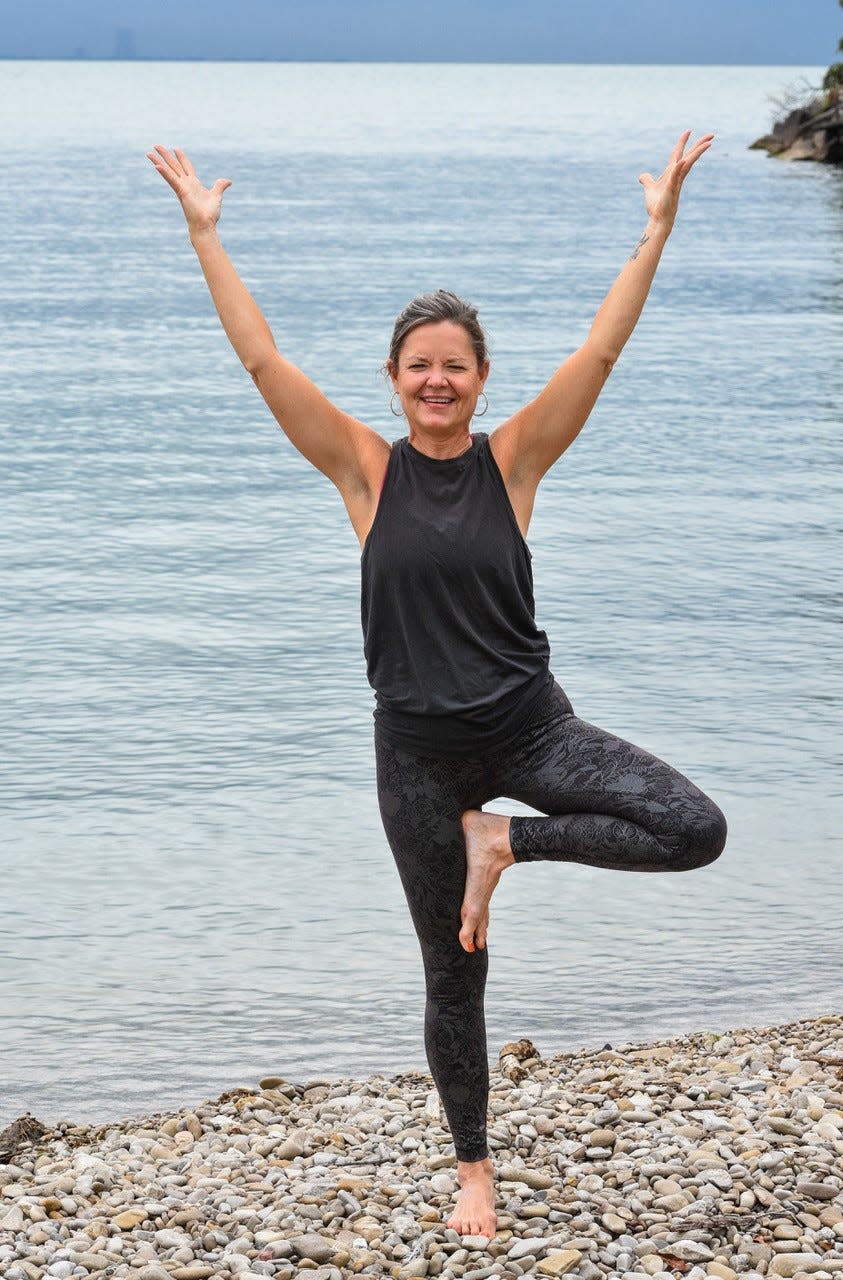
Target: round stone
{"x": 314, "y": 1247}
{"x": 601, "y": 1138}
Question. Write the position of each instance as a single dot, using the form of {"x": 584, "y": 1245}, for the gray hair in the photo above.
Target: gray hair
{"x": 432, "y": 308}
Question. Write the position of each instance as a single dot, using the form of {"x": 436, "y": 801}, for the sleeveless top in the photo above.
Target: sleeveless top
{"x": 452, "y": 648}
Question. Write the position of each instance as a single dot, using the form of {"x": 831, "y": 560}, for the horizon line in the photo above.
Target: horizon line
{"x": 420, "y": 62}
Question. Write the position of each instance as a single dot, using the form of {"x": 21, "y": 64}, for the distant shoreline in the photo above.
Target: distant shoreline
{"x": 399, "y": 62}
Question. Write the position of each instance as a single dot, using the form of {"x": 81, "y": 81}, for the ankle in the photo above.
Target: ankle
{"x": 472, "y": 1169}
{"x": 495, "y": 834}
{"x": 503, "y": 848}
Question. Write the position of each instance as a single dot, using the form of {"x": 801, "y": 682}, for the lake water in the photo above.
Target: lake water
{"x": 197, "y": 889}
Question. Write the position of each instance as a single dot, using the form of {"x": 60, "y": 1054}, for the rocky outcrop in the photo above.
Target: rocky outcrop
{"x": 812, "y": 132}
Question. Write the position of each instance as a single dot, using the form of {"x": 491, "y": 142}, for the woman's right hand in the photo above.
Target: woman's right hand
{"x": 201, "y": 205}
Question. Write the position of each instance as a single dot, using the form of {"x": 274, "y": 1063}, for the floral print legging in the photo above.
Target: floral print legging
{"x": 610, "y": 804}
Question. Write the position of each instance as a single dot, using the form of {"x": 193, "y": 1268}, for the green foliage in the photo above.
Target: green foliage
{"x": 834, "y": 75}
{"x": 833, "y": 78}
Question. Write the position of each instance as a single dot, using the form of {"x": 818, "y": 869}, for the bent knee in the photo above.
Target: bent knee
{"x": 702, "y": 842}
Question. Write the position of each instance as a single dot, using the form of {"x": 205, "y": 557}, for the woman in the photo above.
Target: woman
{"x": 466, "y": 706}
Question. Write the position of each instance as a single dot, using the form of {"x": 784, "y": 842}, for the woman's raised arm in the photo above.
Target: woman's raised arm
{"x": 347, "y": 451}
{"x": 532, "y": 440}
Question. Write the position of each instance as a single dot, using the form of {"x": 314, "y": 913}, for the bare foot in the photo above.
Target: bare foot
{"x": 487, "y": 853}
{"x": 475, "y": 1212}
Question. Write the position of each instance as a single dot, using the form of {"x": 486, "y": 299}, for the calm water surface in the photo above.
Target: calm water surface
{"x": 197, "y": 888}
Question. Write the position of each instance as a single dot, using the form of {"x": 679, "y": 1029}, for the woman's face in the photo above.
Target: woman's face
{"x": 438, "y": 379}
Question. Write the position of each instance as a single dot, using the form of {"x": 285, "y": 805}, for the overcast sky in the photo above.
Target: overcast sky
{"x": 778, "y": 32}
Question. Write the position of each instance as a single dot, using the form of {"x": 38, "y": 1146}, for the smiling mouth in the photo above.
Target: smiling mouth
{"x": 437, "y": 400}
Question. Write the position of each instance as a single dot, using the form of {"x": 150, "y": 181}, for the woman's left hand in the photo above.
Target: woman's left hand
{"x": 661, "y": 195}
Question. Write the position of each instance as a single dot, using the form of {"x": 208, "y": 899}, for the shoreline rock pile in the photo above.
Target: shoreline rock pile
{"x": 702, "y": 1155}
{"x": 812, "y": 132}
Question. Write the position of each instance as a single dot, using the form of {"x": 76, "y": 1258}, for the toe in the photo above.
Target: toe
{"x": 467, "y": 933}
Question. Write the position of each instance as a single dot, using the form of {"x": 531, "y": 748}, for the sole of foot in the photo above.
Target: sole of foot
{"x": 487, "y": 854}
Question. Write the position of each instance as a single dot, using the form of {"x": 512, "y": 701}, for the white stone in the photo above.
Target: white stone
{"x": 524, "y": 1248}
{"x": 13, "y": 1221}
{"x": 433, "y": 1107}
{"x": 172, "y": 1239}
{"x": 690, "y": 1251}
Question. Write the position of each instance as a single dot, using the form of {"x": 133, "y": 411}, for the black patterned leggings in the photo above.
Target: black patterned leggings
{"x": 611, "y": 804}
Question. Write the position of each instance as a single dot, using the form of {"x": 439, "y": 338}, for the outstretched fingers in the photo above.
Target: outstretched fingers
{"x": 676, "y": 153}
{"x": 185, "y": 163}
{"x": 168, "y": 158}
{"x": 699, "y": 148}
{"x": 201, "y": 205}
{"x": 168, "y": 166}
{"x": 680, "y": 162}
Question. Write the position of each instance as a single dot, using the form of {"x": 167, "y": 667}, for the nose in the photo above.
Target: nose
{"x": 437, "y": 377}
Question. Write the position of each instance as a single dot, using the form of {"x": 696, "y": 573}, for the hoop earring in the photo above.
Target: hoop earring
{"x": 397, "y": 413}
{"x": 485, "y": 409}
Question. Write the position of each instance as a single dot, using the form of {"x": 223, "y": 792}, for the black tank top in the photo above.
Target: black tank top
{"x": 452, "y": 648}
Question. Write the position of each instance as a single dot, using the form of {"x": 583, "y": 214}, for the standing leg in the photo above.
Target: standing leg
{"x": 421, "y": 801}
{"x": 609, "y": 804}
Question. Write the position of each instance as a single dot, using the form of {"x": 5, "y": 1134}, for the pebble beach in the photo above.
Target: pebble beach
{"x": 701, "y": 1155}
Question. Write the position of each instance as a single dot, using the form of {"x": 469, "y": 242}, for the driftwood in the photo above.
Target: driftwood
{"x": 19, "y": 1133}
{"x": 517, "y": 1058}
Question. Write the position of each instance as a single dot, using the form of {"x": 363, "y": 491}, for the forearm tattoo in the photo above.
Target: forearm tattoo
{"x": 638, "y": 247}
